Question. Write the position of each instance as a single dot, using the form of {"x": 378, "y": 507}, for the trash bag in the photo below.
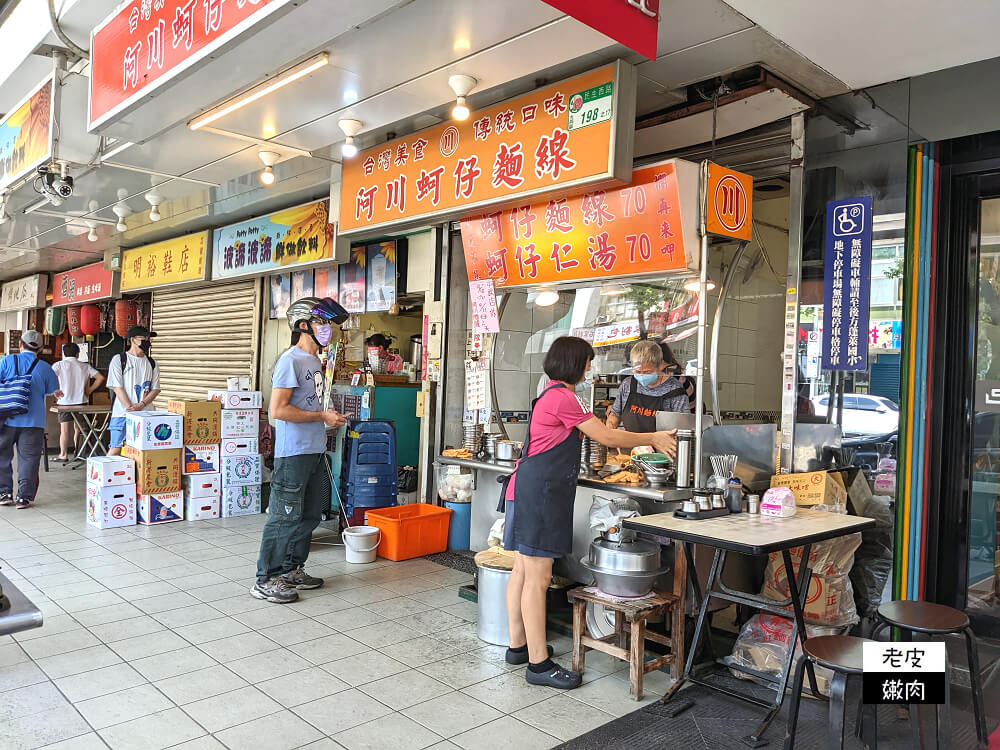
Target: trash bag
{"x": 873, "y": 559}
{"x": 406, "y": 479}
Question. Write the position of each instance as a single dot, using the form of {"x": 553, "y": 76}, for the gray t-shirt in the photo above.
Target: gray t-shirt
{"x": 303, "y": 373}
{"x": 674, "y": 403}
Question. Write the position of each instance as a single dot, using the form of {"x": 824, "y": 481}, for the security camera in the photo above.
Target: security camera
{"x": 56, "y": 186}
{"x": 62, "y": 186}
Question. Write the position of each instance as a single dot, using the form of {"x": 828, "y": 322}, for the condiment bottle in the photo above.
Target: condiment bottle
{"x": 734, "y": 495}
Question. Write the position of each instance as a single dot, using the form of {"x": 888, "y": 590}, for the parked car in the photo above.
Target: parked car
{"x": 864, "y": 414}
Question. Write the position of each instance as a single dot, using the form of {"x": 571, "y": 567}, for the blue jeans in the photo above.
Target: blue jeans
{"x": 117, "y": 429}
{"x": 300, "y": 492}
{"x": 30, "y": 442}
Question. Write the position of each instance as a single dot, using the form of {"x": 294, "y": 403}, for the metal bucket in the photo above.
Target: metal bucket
{"x": 492, "y": 591}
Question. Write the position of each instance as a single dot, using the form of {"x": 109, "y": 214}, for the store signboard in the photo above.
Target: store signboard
{"x": 634, "y": 23}
{"x": 85, "y": 284}
{"x": 144, "y": 44}
{"x": 885, "y": 334}
{"x": 174, "y": 261}
{"x": 730, "y": 203}
{"x": 649, "y": 227}
{"x": 571, "y": 134}
{"x": 26, "y": 134}
{"x": 616, "y": 333}
{"x": 847, "y": 283}
{"x": 24, "y": 294}
{"x": 287, "y": 240}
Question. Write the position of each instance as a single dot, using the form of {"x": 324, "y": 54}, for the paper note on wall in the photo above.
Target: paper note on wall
{"x": 483, "y": 303}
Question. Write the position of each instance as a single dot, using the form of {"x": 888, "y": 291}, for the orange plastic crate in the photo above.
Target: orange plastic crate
{"x": 410, "y": 530}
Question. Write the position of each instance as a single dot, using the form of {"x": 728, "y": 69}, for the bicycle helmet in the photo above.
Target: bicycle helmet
{"x": 314, "y": 308}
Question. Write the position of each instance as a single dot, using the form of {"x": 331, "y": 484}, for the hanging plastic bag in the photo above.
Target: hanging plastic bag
{"x": 609, "y": 512}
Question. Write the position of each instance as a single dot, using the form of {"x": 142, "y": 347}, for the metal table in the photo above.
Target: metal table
{"x": 750, "y": 535}
{"x": 21, "y": 614}
{"x": 92, "y": 422}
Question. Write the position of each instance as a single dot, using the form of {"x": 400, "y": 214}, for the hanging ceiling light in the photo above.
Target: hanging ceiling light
{"x": 350, "y": 128}
{"x": 461, "y": 85}
{"x": 546, "y": 298}
{"x": 269, "y": 158}
{"x": 154, "y": 200}
{"x": 92, "y": 234}
{"x": 694, "y": 285}
{"x": 121, "y": 210}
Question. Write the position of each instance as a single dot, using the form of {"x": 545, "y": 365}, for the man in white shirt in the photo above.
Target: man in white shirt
{"x": 77, "y": 380}
{"x": 134, "y": 378}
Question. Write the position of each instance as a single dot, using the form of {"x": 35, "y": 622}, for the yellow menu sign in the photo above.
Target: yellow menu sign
{"x": 168, "y": 262}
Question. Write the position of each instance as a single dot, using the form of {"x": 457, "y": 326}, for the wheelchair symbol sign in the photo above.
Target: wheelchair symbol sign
{"x": 849, "y": 220}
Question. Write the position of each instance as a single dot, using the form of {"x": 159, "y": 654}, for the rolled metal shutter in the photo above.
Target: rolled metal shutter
{"x": 205, "y": 334}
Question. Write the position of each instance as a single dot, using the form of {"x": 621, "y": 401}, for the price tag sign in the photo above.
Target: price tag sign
{"x": 590, "y": 107}
{"x": 902, "y": 672}
{"x": 483, "y": 301}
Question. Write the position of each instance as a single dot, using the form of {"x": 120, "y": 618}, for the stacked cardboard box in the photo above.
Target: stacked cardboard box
{"x": 110, "y": 492}
{"x": 200, "y": 464}
{"x": 154, "y": 439}
{"x": 240, "y": 451}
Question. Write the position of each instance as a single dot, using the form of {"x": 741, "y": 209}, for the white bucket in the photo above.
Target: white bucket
{"x": 360, "y": 542}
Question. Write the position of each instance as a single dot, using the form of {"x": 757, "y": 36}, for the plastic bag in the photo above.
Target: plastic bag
{"x": 763, "y": 644}
{"x": 406, "y": 479}
{"x": 495, "y": 537}
{"x": 608, "y": 512}
{"x": 873, "y": 559}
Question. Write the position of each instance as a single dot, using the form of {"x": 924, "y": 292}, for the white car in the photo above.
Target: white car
{"x": 864, "y": 414}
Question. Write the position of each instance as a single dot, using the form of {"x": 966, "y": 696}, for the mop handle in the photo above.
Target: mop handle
{"x": 333, "y": 484}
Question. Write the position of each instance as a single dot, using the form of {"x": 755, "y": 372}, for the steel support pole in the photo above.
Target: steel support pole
{"x": 702, "y": 319}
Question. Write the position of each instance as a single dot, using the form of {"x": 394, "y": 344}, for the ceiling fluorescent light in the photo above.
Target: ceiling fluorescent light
{"x": 248, "y": 97}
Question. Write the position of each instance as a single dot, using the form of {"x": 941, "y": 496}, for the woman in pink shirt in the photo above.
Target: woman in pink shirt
{"x": 538, "y": 502}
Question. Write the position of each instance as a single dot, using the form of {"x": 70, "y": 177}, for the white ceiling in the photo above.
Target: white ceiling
{"x": 864, "y": 43}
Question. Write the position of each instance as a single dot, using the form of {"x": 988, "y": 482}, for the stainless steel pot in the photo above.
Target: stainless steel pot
{"x": 508, "y": 450}
{"x": 624, "y": 567}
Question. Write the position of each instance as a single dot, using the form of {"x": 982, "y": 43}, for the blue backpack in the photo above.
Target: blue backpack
{"x": 15, "y": 392}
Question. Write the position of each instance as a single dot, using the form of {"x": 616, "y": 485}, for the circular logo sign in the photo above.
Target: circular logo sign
{"x": 575, "y": 103}
{"x": 161, "y": 479}
{"x": 201, "y": 431}
{"x": 730, "y": 203}
{"x": 162, "y": 431}
{"x": 449, "y": 141}
{"x": 243, "y": 469}
{"x": 118, "y": 511}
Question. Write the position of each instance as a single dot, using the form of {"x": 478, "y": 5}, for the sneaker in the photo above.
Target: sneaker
{"x": 299, "y": 579}
{"x": 22, "y": 503}
{"x": 521, "y": 657}
{"x": 557, "y": 677}
{"x": 6, "y": 498}
{"x": 274, "y": 590}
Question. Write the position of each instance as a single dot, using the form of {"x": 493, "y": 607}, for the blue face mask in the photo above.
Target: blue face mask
{"x": 646, "y": 380}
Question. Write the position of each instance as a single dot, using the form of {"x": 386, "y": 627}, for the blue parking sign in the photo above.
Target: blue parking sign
{"x": 847, "y": 283}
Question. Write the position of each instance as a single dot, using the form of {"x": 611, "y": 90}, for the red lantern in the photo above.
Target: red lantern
{"x": 90, "y": 320}
{"x": 73, "y": 320}
{"x": 126, "y": 316}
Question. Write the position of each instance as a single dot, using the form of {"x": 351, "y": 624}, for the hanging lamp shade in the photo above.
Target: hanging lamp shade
{"x": 55, "y": 320}
{"x": 126, "y": 316}
{"x": 73, "y": 320}
{"x": 90, "y": 320}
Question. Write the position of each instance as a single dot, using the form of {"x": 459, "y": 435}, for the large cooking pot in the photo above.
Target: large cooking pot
{"x": 508, "y": 450}
{"x": 623, "y": 565}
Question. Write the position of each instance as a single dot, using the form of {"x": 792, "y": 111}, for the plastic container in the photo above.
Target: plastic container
{"x": 459, "y": 527}
{"x": 411, "y": 530}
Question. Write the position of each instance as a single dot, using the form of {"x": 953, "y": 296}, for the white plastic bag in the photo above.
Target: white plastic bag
{"x": 608, "y": 512}
{"x": 495, "y": 537}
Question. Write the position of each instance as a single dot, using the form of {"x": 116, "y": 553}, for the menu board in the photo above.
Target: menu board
{"x": 483, "y": 304}
{"x": 352, "y": 285}
{"x": 381, "y": 276}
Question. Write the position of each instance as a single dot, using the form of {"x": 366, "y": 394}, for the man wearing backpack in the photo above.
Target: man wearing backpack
{"x": 134, "y": 379}
{"x": 24, "y": 419}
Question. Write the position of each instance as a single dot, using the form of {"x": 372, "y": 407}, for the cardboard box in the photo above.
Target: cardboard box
{"x": 238, "y": 383}
{"x": 155, "y": 471}
{"x": 201, "y": 508}
{"x": 814, "y": 487}
{"x": 202, "y": 420}
{"x": 201, "y": 459}
{"x": 242, "y": 500}
{"x": 163, "y": 507}
{"x": 240, "y": 446}
{"x": 153, "y": 430}
{"x": 240, "y": 423}
{"x": 241, "y": 470}
{"x": 110, "y": 507}
{"x": 108, "y": 471}
{"x": 203, "y": 485}
{"x": 237, "y": 399}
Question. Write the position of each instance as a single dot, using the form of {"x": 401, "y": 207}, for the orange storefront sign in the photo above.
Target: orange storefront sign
{"x": 730, "y": 203}
{"x": 567, "y": 135}
{"x": 649, "y": 227}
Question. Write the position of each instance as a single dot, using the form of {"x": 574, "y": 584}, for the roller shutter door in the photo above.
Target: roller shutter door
{"x": 205, "y": 334}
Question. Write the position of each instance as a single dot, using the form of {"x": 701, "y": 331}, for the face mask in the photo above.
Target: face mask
{"x": 146, "y": 345}
{"x": 645, "y": 380}
{"x": 323, "y": 334}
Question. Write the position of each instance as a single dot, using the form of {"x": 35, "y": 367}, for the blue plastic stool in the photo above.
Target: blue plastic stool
{"x": 459, "y": 529}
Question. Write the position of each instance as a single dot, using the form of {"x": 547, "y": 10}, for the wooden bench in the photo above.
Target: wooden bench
{"x": 628, "y": 642}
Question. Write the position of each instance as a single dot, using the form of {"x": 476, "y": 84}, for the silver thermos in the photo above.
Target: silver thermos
{"x": 685, "y": 446}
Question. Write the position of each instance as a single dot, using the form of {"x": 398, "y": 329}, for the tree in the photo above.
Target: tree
{"x": 645, "y": 298}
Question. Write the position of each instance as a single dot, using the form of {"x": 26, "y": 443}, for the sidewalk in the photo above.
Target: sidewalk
{"x": 152, "y": 641}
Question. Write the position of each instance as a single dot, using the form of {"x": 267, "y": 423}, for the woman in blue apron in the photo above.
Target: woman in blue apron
{"x": 538, "y": 500}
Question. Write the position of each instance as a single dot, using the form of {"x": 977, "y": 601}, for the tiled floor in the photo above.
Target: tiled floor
{"x": 152, "y": 641}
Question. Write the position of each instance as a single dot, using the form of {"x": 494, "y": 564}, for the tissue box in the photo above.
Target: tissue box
{"x": 110, "y": 470}
{"x": 238, "y": 383}
{"x": 203, "y": 485}
{"x": 241, "y": 501}
{"x": 200, "y": 508}
{"x": 163, "y": 507}
{"x": 153, "y": 430}
{"x": 241, "y": 470}
{"x": 778, "y": 502}
{"x": 202, "y": 420}
{"x": 240, "y": 446}
{"x": 240, "y": 423}
{"x": 237, "y": 399}
{"x": 155, "y": 471}
{"x": 201, "y": 459}
{"x": 110, "y": 507}
{"x": 813, "y": 488}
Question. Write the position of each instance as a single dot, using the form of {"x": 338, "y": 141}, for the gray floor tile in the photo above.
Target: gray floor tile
{"x": 431, "y": 622}
{"x": 367, "y": 595}
{"x": 11, "y": 653}
{"x": 462, "y": 670}
{"x": 327, "y": 648}
{"x": 350, "y": 619}
{"x": 298, "y": 632}
{"x": 505, "y": 733}
{"x": 114, "y": 613}
{"x": 147, "y": 590}
{"x": 20, "y": 675}
{"x": 96, "y": 682}
{"x": 319, "y": 604}
{"x": 53, "y": 625}
{"x": 70, "y": 590}
{"x": 267, "y": 618}
{"x": 364, "y": 667}
{"x": 509, "y": 692}
{"x": 175, "y": 618}
{"x": 89, "y": 741}
{"x": 563, "y": 717}
{"x": 123, "y": 705}
{"x": 268, "y": 665}
{"x": 399, "y": 607}
{"x": 382, "y": 634}
{"x": 211, "y": 630}
{"x": 147, "y": 645}
{"x": 172, "y": 663}
{"x": 452, "y": 713}
{"x": 302, "y": 687}
{"x": 279, "y": 731}
{"x": 208, "y": 742}
{"x": 27, "y": 732}
{"x": 229, "y": 709}
{"x": 60, "y": 643}
{"x": 341, "y": 711}
{"x": 200, "y": 684}
{"x": 236, "y": 605}
{"x": 133, "y": 627}
{"x": 393, "y": 731}
{"x": 464, "y": 609}
{"x": 216, "y": 591}
{"x": 30, "y": 700}
{"x": 416, "y": 652}
{"x": 152, "y": 732}
{"x": 238, "y": 647}
{"x": 75, "y": 662}
{"x": 165, "y": 602}
{"x": 404, "y": 689}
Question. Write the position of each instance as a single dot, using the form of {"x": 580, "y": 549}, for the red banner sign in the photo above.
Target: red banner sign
{"x": 84, "y": 284}
{"x": 145, "y": 43}
{"x": 634, "y": 23}
{"x": 646, "y": 228}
